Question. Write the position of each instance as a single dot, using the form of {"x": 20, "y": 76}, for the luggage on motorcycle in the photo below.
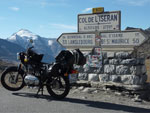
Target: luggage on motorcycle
{"x": 65, "y": 57}
{"x": 79, "y": 57}
{"x": 55, "y": 69}
{"x": 65, "y": 61}
{"x": 71, "y": 57}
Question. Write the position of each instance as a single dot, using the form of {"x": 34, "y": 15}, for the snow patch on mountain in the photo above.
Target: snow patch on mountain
{"x": 23, "y": 35}
{"x": 50, "y": 42}
{"x": 26, "y": 33}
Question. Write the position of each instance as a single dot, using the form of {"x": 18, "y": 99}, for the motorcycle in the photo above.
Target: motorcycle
{"x": 31, "y": 71}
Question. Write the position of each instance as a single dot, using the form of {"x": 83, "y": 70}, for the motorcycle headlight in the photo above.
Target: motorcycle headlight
{"x": 18, "y": 56}
{"x": 25, "y": 59}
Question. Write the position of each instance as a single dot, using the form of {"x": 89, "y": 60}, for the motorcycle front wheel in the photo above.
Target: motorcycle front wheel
{"x": 58, "y": 87}
{"x": 11, "y": 79}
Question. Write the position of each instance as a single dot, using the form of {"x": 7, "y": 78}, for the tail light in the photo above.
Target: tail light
{"x": 74, "y": 72}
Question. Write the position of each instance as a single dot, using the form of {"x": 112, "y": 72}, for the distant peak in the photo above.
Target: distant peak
{"x": 24, "y": 30}
{"x": 26, "y": 33}
{"x": 148, "y": 28}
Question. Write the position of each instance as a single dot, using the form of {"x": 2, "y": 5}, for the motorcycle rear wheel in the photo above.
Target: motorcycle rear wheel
{"x": 58, "y": 87}
{"x": 8, "y": 79}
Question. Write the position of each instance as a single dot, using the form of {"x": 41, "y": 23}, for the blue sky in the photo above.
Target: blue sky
{"x": 51, "y": 18}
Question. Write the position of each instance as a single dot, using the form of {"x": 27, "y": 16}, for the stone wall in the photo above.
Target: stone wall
{"x": 117, "y": 67}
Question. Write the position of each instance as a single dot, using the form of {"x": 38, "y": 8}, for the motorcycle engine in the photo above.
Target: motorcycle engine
{"x": 31, "y": 80}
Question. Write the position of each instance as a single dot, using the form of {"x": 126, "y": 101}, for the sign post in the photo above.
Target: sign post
{"x": 102, "y": 30}
{"x": 122, "y": 39}
{"x": 84, "y": 41}
{"x": 107, "y": 21}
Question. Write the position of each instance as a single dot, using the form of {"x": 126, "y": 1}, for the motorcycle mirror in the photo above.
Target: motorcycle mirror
{"x": 31, "y": 41}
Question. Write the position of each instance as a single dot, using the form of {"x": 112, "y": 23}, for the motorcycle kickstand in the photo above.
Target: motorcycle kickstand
{"x": 40, "y": 89}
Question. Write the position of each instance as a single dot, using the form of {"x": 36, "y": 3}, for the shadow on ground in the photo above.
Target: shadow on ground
{"x": 89, "y": 103}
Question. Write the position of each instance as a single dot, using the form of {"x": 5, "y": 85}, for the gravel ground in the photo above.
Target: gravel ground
{"x": 110, "y": 96}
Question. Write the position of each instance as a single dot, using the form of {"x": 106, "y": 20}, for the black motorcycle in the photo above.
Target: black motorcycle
{"x": 32, "y": 72}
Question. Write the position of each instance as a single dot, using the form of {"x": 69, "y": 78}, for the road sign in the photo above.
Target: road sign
{"x": 77, "y": 40}
{"x": 107, "y": 21}
{"x": 122, "y": 38}
{"x": 98, "y": 10}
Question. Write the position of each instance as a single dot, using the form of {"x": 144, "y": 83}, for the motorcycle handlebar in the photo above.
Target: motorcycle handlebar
{"x": 30, "y": 48}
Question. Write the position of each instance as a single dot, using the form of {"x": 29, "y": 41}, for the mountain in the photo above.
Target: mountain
{"x": 147, "y": 31}
{"x": 131, "y": 28}
{"x": 47, "y": 46}
{"x": 4, "y": 64}
{"x": 8, "y": 50}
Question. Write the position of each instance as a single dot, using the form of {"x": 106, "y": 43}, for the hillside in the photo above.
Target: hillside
{"x": 8, "y": 50}
{"x": 5, "y": 64}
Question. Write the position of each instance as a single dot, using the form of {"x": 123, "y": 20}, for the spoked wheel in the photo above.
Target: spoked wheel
{"x": 12, "y": 80}
{"x": 58, "y": 87}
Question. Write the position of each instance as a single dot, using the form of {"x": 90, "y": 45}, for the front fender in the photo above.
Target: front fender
{"x": 18, "y": 68}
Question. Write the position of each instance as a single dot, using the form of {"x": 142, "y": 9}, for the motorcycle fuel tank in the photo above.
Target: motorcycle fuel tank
{"x": 31, "y": 80}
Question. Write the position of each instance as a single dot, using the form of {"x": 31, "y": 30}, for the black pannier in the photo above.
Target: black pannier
{"x": 66, "y": 58}
{"x": 80, "y": 59}
{"x": 71, "y": 57}
{"x": 65, "y": 61}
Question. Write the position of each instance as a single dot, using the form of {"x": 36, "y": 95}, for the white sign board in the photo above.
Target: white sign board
{"x": 77, "y": 40}
{"x": 107, "y": 21}
{"x": 129, "y": 38}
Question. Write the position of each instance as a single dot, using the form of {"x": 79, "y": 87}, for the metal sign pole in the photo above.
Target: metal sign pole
{"x": 98, "y": 39}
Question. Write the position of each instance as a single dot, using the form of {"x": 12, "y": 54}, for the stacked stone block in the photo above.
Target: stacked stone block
{"x": 117, "y": 67}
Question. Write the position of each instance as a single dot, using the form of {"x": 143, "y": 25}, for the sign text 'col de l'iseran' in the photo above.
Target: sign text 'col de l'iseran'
{"x": 107, "y": 21}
